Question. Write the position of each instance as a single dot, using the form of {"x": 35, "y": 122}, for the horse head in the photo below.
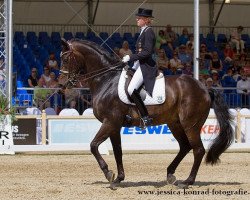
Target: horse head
{"x": 72, "y": 66}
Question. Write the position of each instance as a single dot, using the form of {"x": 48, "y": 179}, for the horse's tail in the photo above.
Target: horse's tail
{"x": 226, "y": 135}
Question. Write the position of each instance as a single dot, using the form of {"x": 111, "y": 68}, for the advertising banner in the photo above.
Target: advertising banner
{"x": 6, "y": 139}
{"x": 24, "y": 132}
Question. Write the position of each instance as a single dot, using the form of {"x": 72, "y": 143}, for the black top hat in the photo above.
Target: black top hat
{"x": 144, "y": 12}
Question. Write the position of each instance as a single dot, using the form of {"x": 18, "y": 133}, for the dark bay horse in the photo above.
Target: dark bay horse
{"x": 185, "y": 110}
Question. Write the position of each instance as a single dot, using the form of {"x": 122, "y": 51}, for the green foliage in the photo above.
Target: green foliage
{"x": 5, "y": 110}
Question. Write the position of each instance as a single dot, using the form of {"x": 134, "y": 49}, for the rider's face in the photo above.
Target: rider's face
{"x": 141, "y": 21}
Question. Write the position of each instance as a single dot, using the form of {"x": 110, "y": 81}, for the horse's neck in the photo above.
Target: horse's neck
{"x": 104, "y": 82}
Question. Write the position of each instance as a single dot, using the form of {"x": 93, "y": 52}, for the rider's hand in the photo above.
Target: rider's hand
{"x": 126, "y": 58}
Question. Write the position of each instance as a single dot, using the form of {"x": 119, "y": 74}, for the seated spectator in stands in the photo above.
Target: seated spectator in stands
{"x": 247, "y": 68}
{"x": 216, "y": 79}
{"x": 229, "y": 53}
{"x": 203, "y": 76}
{"x": 183, "y": 39}
{"x": 183, "y": 56}
{"x": 238, "y": 74}
{"x": 242, "y": 62}
{"x": 237, "y": 41}
{"x": 162, "y": 60}
{"x": 188, "y": 69}
{"x": 243, "y": 88}
{"x": 228, "y": 80}
{"x": 190, "y": 41}
{"x": 125, "y": 50}
{"x": 171, "y": 36}
{"x": 70, "y": 110}
{"x": 160, "y": 39}
{"x": 203, "y": 50}
{"x": 209, "y": 83}
{"x": 52, "y": 63}
{"x": 204, "y": 64}
{"x": 190, "y": 49}
{"x": 52, "y": 83}
{"x": 175, "y": 62}
{"x": 216, "y": 63}
{"x": 33, "y": 78}
{"x": 45, "y": 77}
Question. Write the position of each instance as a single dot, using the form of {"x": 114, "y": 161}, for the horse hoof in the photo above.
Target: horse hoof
{"x": 171, "y": 179}
{"x": 110, "y": 176}
{"x": 182, "y": 186}
{"x": 113, "y": 186}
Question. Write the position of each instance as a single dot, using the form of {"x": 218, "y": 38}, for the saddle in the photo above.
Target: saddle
{"x": 158, "y": 95}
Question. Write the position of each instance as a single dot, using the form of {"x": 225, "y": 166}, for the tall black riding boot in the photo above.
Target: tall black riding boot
{"x": 136, "y": 98}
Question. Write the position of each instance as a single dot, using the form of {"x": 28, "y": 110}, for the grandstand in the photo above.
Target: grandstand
{"x": 35, "y": 36}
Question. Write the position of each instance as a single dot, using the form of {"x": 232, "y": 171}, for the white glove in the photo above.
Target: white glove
{"x": 126, "y": 58}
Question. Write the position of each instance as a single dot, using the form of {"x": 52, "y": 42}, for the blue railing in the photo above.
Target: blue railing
{"x": 44, "y": 97}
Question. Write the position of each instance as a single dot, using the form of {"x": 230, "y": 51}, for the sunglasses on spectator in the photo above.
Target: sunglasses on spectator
{"x": 33, "y": 71}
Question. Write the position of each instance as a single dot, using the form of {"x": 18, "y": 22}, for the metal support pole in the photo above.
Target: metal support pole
{"x": 90, "y": 13}
{"x": 196, "y": 39}
{"x": 9, "y": 51}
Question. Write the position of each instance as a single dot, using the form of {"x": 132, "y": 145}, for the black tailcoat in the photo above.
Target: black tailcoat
{"x": 145, "y": 45}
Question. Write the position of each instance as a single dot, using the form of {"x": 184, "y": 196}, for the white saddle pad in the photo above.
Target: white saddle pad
{"x": 158, "y": 96}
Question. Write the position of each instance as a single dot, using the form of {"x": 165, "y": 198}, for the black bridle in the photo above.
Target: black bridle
{"x": 74, "y": 75}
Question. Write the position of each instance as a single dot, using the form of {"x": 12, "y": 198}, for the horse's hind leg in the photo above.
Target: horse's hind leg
{"x": 185, "y": 147}
{"x": 198, "y": 152}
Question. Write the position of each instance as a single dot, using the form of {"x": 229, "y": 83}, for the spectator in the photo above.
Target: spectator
{"x": 209, "y": 83}
{"x": 70, "y": 110}
{"x": 216, "y": 63}
{"x": 160, "y": 39}
{"x": 33, "y": 78}
{"x": 45, "y": 77}
{"x": 162, "y": 60}
{"x": 236, "y": 39}
{"x": 175, "y": 62}
{"x": 52, "y": 83}
{"x": 203, "y": 50}
{"x": 190, "y": 41}
{"x": 52, "y": 62}
{"x": 228, "y": 80}
{"x": 228, "y": 53}
{"x": 243, "y": 88}
{"x": 188, "y": 70}
{"x": 204, "y": 64}
{"x": 125, "y": 50}
{"x": 171, "y": 36}
{"x": 190, "y": 49}
{"x": 183, "y": 39}
{"x": 183, "y": 56}
{"x": 216, "y": 79}
{"x": 242, "y": 61}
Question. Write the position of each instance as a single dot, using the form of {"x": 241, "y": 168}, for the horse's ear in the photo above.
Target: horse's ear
{"x": 65, "y": 45}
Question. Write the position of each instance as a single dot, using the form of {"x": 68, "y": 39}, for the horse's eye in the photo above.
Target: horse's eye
{"x": 65, "y": 61}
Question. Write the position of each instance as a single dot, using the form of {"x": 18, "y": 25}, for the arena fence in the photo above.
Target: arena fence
{"x": 54, "y": 98}
{"x": 74, "y": 133}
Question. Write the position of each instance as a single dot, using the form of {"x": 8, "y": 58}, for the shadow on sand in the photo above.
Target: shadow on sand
{"x": 160, "y": 184}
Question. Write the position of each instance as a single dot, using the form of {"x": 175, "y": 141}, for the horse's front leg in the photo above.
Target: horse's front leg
{"x": 117, "y": 149}
{"x": 104, "y": 132}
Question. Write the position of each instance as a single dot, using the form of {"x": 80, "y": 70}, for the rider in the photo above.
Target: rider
{"x": 145, "y": 66}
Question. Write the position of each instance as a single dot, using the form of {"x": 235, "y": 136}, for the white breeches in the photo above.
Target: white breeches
{"x": 136, "y": 81}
